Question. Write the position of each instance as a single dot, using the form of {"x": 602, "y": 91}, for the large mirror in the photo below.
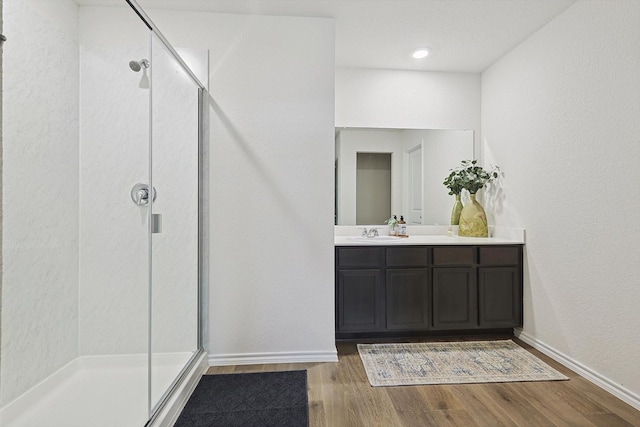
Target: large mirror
{"x": 385, "y": 172}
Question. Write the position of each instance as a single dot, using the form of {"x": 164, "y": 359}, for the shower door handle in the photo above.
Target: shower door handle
{"x": 156, "y": 223}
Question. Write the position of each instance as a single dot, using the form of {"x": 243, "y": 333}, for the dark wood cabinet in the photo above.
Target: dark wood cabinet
{"x": 361, "y": 299}
{"x": 408, "y": 303}
{"x": 499, "y": 286}
{"x": 407, "y": 297}
{"x": 391, "y": 290}
{"x": 455, "y": 303}
{"x": 500, "y": 298}
{"x": 360, "y": 293}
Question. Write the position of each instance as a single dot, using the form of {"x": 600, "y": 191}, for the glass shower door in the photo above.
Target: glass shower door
{"x": 174, "y": 224}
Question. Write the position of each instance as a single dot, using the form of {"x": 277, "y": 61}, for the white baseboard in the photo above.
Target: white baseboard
{"x": 274, "y": 357}
{"x": 600, "y": 380}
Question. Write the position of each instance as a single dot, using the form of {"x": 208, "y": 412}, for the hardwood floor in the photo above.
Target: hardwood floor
{"x": 340, "y": 396}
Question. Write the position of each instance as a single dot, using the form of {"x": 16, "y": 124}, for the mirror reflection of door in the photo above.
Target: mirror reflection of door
{"x": 415, "y": 186}
{"x": 373, "y": 188}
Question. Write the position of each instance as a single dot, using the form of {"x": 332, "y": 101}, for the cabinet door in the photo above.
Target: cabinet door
{"x": 500, "y": 297}
{"x": 408, "y": 303}
{"x": 360, "y": 300}
{"x": 455, "y": 298}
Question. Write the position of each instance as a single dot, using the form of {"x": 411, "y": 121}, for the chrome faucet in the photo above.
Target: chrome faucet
{"x": 371, "y": 233}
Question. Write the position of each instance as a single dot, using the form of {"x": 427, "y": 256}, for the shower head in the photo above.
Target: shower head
{"x": 139, "y": 65}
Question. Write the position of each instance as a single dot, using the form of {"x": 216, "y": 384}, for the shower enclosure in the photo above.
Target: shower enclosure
{"x": 102, "y": 229}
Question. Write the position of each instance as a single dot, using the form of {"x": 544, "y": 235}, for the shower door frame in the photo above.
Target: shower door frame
{"x": 202, "y": 229}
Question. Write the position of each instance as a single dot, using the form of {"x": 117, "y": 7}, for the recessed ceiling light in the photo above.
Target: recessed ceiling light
{"x": 421, "y": 53}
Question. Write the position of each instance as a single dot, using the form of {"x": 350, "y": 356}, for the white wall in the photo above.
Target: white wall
{"x": 271, "y": 168}
{"x": 407, "y": 99}
{"x": 560, "y": 117}
{"x": 1, "y": 196}
{"x": 40, "y": 191}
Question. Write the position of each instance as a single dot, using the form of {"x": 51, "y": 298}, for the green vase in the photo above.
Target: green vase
{"x": 473, "y": 220}
{"x": 455, "y": 213}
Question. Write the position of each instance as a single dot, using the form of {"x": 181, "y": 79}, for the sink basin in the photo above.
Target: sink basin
{"x": 374, "y": 239}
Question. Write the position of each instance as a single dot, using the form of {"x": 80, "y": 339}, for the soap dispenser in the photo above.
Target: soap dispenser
{"x": 402, "y": 227}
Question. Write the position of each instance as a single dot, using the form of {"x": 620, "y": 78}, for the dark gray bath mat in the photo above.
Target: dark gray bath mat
{"x": 254, "y": 399}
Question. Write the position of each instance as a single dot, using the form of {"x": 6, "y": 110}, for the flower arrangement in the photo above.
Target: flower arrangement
{"x": 469, "y": 176}
{"x": 392, "y": 222}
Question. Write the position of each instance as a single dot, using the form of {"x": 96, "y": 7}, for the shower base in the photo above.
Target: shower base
{"x": 100, "y": 391}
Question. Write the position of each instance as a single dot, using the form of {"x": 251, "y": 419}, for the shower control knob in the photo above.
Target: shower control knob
{"x": 140, "y": 194}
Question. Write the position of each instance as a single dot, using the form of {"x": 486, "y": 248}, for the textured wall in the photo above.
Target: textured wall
{"x": 40, "y": 190}
{"x": 560, "y": 117}
{"x": 114, "y": 247}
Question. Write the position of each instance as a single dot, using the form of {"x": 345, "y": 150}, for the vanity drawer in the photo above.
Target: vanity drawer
{"x": 359, "y": 257}
{"x": 500, "y": 255}
{"x": 407, "y": 257}
{"x": 454, "y": 255}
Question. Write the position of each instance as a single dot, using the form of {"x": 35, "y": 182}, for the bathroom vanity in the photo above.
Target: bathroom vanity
{"x": 455, "y": 285}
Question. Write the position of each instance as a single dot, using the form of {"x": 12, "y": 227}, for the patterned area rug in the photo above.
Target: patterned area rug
{"x": 452, "y": 363}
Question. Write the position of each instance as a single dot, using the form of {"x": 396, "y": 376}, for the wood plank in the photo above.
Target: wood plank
{"x": 517, "y": 407}
{"x": 455, "y": 418}
{"x": 539, "y": 395}
{"x": 478, "y": 404}
{"x": 368, "y": 405}
{"x": 439, "y": 398}
{"x": 608, "y": 403}
{"x": 409, "y": 406}
{"x": 610, "y": 420}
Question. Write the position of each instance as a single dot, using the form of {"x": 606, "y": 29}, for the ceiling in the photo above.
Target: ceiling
{"x": 463, "y": 35}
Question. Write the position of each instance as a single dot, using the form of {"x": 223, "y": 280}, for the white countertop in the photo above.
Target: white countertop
{"x": 426, "y": 240}
{"x": 429, "y": 235}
